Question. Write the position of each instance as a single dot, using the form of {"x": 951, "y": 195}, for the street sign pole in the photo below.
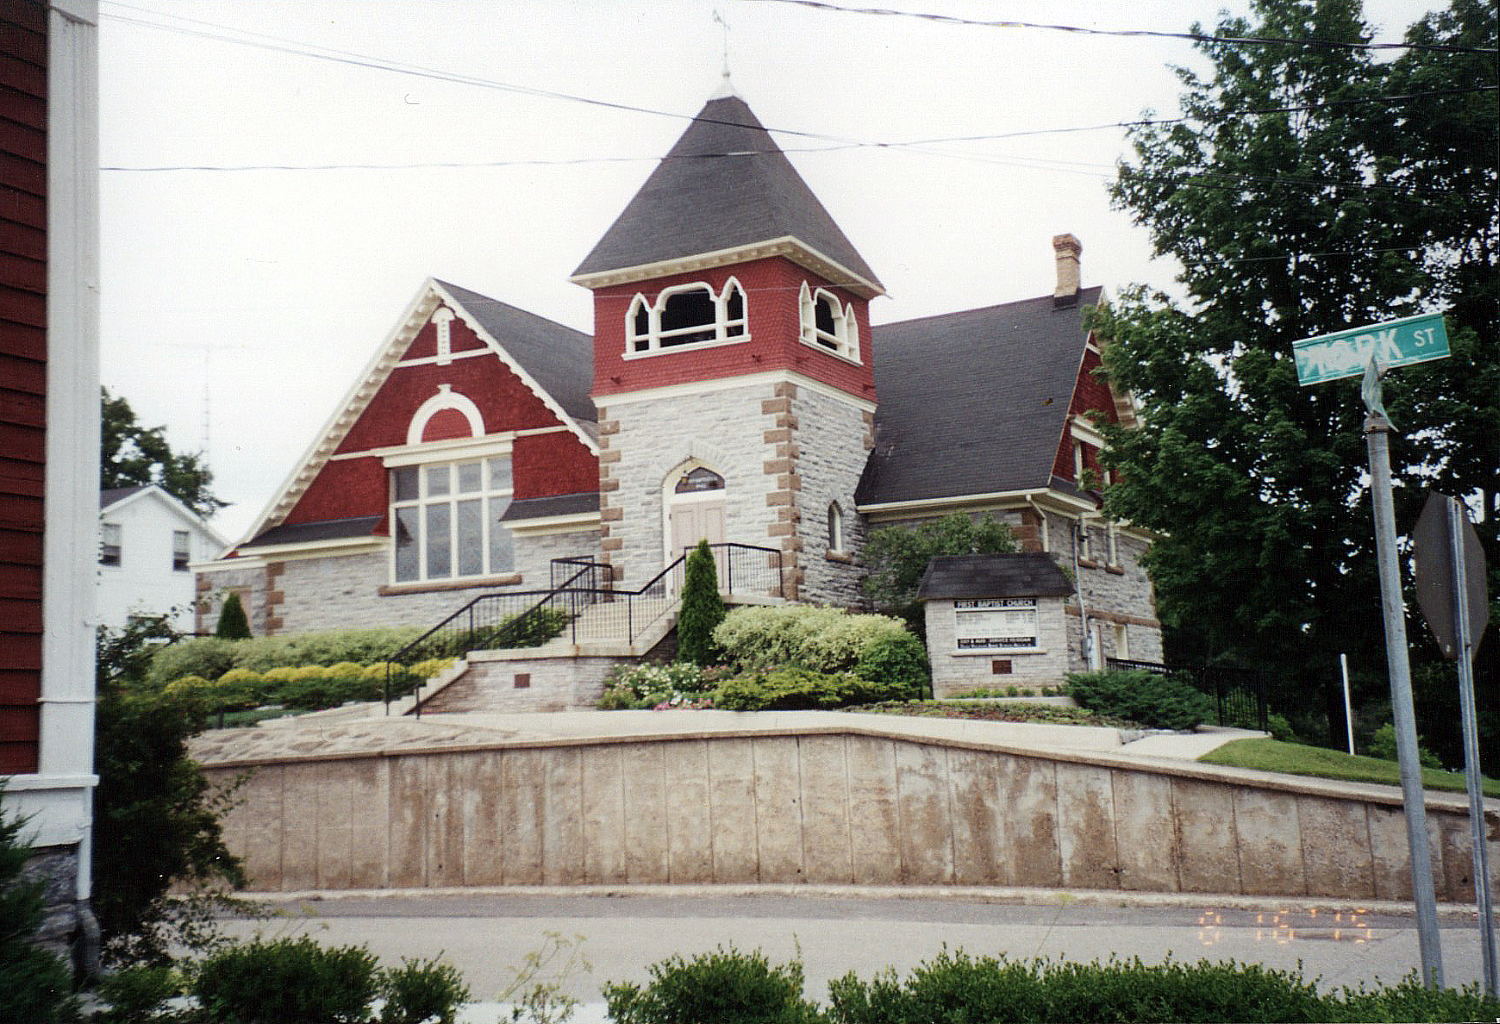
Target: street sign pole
{"x": 1482, "y": 895}
{"x": 1377, "y": 431}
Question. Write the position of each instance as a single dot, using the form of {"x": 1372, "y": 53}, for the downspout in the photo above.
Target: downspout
{"x": 1083, "y": 612}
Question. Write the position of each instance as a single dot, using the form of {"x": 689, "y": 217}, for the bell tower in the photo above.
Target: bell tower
{"x": 732, "y": 363}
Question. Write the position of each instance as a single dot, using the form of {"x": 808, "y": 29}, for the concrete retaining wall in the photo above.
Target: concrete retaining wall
{"x": 833, "y": 806}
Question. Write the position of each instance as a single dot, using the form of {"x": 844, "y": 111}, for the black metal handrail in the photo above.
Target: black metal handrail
{"x": 529, "y": 618}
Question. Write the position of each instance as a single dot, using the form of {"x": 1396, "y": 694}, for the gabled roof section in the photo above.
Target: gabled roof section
{"x": 558, "y": 359}
{"x": 723, "y": 187}
{"x": 957, "y": 577}
{"x": 114, "y": 495}
{"x": 554, "y": 361}
{"x": 112, "y": 499}
{"x": 974, "y": 402}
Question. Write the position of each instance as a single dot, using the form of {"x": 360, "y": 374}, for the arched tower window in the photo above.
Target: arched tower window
{"x": 827, "y": 324}
{"x": 684, "y": 315}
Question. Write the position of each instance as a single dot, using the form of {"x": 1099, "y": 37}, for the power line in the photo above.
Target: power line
{"x": 1197, "y": 37}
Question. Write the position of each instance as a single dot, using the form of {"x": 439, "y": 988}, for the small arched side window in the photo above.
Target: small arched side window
{"x": 827, "y": 324}
{"x": 686, "y": 314}
{"x": 699, "y": 479}
{"x": 835, "y": 528}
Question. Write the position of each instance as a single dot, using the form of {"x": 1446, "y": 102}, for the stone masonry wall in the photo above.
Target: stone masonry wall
{"x": 845, "y": 806}
{"x": 1119, "y": 594}
{"x": 344, "y": 591}
{"x": 642, "y": 442}
{"x": 514, "y": 684}
{"x": 68, "y": 929}
{"x": 831, "y": 439}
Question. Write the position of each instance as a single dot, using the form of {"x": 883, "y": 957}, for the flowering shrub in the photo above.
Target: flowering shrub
{"x": 678, "y": 685}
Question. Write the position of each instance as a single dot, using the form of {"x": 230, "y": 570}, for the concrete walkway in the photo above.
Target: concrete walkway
{"x": 351, "y": 729}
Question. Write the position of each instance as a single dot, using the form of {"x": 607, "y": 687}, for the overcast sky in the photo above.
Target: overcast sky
{"x": 238, "y": 304}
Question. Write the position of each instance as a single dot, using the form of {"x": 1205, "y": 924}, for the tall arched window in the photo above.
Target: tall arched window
{"x": 686, "y": 314}
{"x": 835, "y": 528}
{"x": 828, "y": 325}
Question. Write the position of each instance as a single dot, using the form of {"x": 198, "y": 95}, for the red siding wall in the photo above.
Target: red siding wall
{"x": 23, "y": 374}
{"x": 772, "y": 288}
{"x": 1090, "y": 394}
{"x": 545, "y": 464}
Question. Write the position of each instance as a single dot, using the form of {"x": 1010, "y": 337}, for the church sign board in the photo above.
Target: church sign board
{"x": 1416, "y": 339}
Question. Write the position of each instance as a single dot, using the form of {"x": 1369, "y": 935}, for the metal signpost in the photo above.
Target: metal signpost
{"x": 1451, "y": 594}
{"x": 1367, "y": 351}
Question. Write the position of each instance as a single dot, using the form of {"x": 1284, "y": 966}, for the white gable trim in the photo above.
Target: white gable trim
{"x": 445, "y": 399}
{"x": 515, "y": 367}
{"x": 172, "y": 504}
{"x": 386, "y": 358}
{"x": 791, "y": 247}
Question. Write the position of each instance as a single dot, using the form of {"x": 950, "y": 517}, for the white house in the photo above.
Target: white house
{"x": 148, "y": 542}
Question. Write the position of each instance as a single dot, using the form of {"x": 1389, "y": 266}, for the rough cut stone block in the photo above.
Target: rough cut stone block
{"x": 825, "y": 810}
{"x": 1207, "y": 848}
{"x": 688, "y": 811}
{"x": 522, "y": 806}
{"x": 1085, "y": 827}
{"x": 562, "y": 817}
{"x": 1028, "y": 850}
{"x": 1270, "y": 843}
{"x": 299, "y": 864}
{"x": 1336, "y": 847}
{"x": 603, "y": 815}
{"x": 646, "y": 797}
{"x": 926, "y": 830}
{"x": 1144, "y": 831}
{"x": 778, "y": 809}
{"x": 732, "y": 802}
{"x": 974, "y": 784}
{"x": 479, "y": 779}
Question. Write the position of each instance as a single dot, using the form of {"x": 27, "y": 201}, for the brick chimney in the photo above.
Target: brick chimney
{"x": 1068, "y": 249}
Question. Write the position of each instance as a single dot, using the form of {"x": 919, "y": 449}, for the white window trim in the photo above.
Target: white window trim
{"x": 186, "y": 550}
{"x": 118, "y": 545}
{"x": 654, "y": 335}
{"x": 442, "y": 318}
{"x": 846, "y": 325}
{"x": 423, "y": 501}
{"x": 446, "y": 398}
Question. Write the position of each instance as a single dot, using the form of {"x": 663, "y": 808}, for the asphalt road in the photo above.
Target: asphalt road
{"x": 487, "y": 935}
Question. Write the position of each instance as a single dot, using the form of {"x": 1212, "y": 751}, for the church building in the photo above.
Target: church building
{"x": 733, "y": 389}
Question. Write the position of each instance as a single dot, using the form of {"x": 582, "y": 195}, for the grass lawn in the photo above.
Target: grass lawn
{"x": 1300, "y": 759}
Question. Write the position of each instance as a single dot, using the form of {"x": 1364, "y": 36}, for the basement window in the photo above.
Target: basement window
{"x": 446, "y": 520}
{"x": 683, "y": 316}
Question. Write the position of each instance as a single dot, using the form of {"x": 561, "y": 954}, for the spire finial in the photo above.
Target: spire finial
{"x": 726, "y": 87}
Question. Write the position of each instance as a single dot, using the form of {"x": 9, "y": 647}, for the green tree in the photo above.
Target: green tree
{"x": 1310, "y": 189}
{"x": 37, "y": 985}
{"x": 233, "y": 625}
{"x": 131, "y": 455}
{"x": 154, "y": 812}
{"x": 702, "y": 608}
{"x": 897, "y": 556}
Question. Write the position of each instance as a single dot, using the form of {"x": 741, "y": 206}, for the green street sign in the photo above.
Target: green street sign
{"x": 1415, "y": 339}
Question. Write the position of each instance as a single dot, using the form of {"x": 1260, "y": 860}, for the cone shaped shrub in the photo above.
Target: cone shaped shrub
{"x": 702, "y": 608}
{"x": 233, "y": 625}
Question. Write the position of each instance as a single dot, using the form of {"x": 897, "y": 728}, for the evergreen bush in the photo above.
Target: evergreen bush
{"x": 287, "y": 981}
{"x": 794, "y": 689}
{"x": 756, "y": 637}
{"x": 422, "y": 992}
{"x": 898, "y": 663}
{"x": 233, "y": 625}
{"x": 724, "y": 987}
{"x": 1155, "y": 701}
{"x": 35, "y": 985}
{"x": 702, "y": 608}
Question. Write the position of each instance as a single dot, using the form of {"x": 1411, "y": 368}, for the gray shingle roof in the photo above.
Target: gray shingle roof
{"x": 110, "y": 495}
{"x": 699, "y": 200}
{"x": 557, "y": 505}
{"x": 973, "y": 402}
{"x": 955, "y": 577}
{"x": 306, "y": 533}
{"x": 558, "y": 358}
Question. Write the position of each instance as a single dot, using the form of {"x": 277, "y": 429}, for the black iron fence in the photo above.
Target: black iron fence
{"x": 1239, "y": 694}
{"x": 582, "y": 606}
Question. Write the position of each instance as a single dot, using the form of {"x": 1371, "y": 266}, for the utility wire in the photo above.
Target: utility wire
{"x": 1197, "y": 37}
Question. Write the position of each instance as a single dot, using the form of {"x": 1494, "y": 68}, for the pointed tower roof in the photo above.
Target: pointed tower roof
{"x": 724, "y": 193}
